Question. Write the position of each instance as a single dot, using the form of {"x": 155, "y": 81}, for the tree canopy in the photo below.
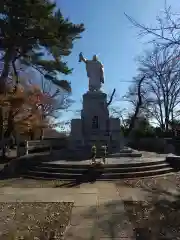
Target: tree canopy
{"x": 33, "y": 35}
{"x": 31, "y": 32}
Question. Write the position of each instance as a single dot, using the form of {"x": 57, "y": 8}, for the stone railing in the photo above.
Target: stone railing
{"x": 39, "y": 146}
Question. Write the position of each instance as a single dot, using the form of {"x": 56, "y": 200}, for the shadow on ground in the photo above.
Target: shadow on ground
{"x": 90, "y": 176}
{"x": 156, "y": 218}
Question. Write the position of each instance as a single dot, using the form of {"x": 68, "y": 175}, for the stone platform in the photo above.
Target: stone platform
{"x": 114, "y": 168}
{"x": 109, "y": 161}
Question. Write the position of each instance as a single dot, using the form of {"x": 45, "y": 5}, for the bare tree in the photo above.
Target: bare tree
{"x": 136, "y": 98}
{"x": 166, "y": 33}
{"x": 121, "y": 113}
{"x": 161, "y": 88}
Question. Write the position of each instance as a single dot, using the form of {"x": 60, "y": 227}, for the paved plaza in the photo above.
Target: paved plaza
{"x": 124, "y": 209}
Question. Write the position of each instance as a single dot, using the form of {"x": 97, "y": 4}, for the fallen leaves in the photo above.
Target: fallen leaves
{"x": 34, "y": 220}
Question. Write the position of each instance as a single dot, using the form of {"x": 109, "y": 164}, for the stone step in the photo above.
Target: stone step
{"x": 104, "y": 176}
{"x": 138, "y": 174}
{"x": 26, "y": 176}
{"x": 114, "y": 169}
{"x": 82, "y": 154}
{"x": 125, "y": 154}
{"x": 126, "y": 150}
{"x": 86, "y": 164}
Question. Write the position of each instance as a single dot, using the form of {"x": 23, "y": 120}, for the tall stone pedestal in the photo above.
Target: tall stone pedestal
{"x": 95, "y": 125}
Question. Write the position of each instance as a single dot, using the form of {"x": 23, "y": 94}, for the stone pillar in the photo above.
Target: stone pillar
{"x": 114, "y": 125}
{"x": 94, "y": 109}
{"x": 76, "y": 136}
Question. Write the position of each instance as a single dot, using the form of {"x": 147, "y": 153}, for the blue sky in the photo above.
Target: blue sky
{"x": 110, "y": 35}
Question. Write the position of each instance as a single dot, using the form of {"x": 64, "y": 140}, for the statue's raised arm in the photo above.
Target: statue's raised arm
{"x": 81, "y": 58}
{"x": 95, "y": 72}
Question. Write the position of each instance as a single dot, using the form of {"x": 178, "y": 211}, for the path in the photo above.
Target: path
{"x": 93, "y": 203}
{"x": 101, "y": 209}
{"x": 84, "y": 195}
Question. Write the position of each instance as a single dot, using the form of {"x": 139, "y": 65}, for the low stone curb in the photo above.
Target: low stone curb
{"x": 174, "y": 161}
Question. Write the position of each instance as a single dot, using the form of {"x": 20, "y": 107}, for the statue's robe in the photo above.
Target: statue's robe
{"x": 95, "y": 73}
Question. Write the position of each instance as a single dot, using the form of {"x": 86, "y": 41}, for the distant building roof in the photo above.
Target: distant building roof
{"x": 52, "y": 133}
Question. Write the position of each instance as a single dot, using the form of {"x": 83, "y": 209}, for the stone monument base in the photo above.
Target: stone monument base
{"x": 95, "y": 126}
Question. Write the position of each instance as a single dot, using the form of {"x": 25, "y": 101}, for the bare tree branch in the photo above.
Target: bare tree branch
{"x": 161, "y": 90}
{"x": 138, "y": 105}
{"x": 111, "y": 98}
{"x": 167, "y": 33}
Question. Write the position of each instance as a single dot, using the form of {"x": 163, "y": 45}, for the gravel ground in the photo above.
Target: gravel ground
{"x": 31, "y": 183}
{"x": 154, "y": 220}
{"x": 169, "y": 180}
{"x": 153, "y": 183}
{"x": 39, "y": 221}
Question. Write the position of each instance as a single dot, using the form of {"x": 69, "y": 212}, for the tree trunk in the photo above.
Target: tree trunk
{"x": 10, "y": 125}
{"x": 42, "y": 134}
{"x": 31, "y": 135}
{"x": 9, "y": 131}
{"x": 3, "y": 78}
{"x": 138, "y": 106}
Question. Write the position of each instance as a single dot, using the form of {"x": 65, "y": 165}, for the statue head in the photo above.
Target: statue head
{"x": 95, "y": 58}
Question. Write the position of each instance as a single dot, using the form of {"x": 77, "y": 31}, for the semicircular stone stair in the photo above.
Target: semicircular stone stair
{"x": 82, "y": 171}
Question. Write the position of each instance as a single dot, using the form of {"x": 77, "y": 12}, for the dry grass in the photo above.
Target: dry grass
{"x": 40, "y": 221}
